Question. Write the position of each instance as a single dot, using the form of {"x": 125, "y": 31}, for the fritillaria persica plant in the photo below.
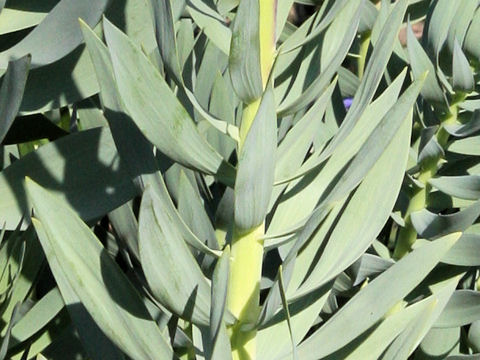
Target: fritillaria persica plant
{"x": 210, "y": 179}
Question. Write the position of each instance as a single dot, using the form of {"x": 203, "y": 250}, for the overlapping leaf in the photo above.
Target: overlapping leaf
{"x": 146, "y": 95}
{"x": 80, "y": 263}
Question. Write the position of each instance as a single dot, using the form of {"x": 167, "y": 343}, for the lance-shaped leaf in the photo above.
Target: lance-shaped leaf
{"x": 218, "y": 337}
{"x": 463, "y": 308}
{"x": 211, "y": 23}
{"x": 165, "y": 34}
{"x": 420, "y": 62}
{"x": 244, "y": 60}
{"x": 172, "y": 272}
{"x": 7, "y": 335}
{"x": 303, "y": 312}
{"x": 429, "y": 149}
{"x": 474, "y": 339}
{"x": 287, "y": 312}
{"x": 438, "y": 343}
{"x": 72, "y": 78}
{"x": 348, "y": 242}
{"x": 373, "y": 342}
{"x": 317, "y": 30}
{"x": 55, "y": 36}
{"x": 471, "y": 43}
{"x": 77, "y": 257}
{"x": 409, "y": 339}
{"x": 11, "y": 92}
{"x": 156, "y": 111}
{"x": 134, "y": 149}
{"x": 167, "y": 43}
{"x": 467, "y": 146}
{"x": 466, "y": 252}
{"x": 373, "y": 72}
{"x": 97, "y": 345}
{"x": 371, "y": 79}
{"x": 192, "y": 211}
{"x": 292, "y": 209}
{"x": 430, "y": 225}
{"x": 82, "y": 168}
{"x": 32, "y": 262}
{"x": 350, "y": 234}
{"x": 294, "y": 147}
{"x": 355, "y": 171}
{"x": 38, "y": 316}
{"x": 28, "y": 16}
{"x": 461, "y": 23}
{"x": 472, "y": 126}
{"x": 438, "y": 26}
{"x": 462, "y": 74}
{"x": 463, "y": 187}
{"x": 256, "y": 168}
{"x": 338, "y": 39}
{"x": 373, "y": 302}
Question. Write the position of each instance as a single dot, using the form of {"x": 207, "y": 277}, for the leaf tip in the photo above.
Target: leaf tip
{"x": 82, "y": 23}
{"x": 424, "y": 76}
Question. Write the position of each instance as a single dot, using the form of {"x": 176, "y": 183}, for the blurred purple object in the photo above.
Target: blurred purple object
{"x": 347, "y": 102}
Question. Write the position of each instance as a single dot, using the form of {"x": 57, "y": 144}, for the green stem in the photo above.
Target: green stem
{"x": 244, "y": 291}
{"x": 408, "y": 235}
{"x": 243, "y": 299}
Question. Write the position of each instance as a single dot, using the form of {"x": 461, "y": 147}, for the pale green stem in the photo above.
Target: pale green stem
{"x": 243, "y": 298}
{"x": 244, "y": 291}
{"x": 408, "y": 235}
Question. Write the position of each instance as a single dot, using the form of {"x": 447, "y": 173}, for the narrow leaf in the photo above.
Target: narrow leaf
{"x": 373, "y": 75}
{"x": 11, "y": 92}
{"x": 287, "y": 312}
{"x": 244, "y": 59}
{"x": 82, "y": 168}
{"x": 211, "y": 23}
{"x": 99, "y": 283}
{"x": 376, "y": 299}
{"x": 146, "y": 97}
{"x": 463, "y": 187}
{"x": 172, "y": 272}
{"x": 165, "y": 35}
{"x": 420, "y": 62}
{"x": 218, "y": 332}
{"x": 466, "y": 252}
{"x": 462, "y": 309}
{"x": 430, "y": 225}
{"x": 470, "y": 127}
{"x": 462, "y": 74}
{"x": 256, "y": 168}
{"x": 133, "y": 147}
{"x": 55, "y": 36}
{"x": 467, "y": 146}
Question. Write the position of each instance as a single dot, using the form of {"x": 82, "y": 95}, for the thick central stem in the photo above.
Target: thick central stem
{"x": 244, "y": 291}
{"x": 247, "y": 247}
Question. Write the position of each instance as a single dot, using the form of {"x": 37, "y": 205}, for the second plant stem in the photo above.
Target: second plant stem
{"x": 418, "y": 201}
